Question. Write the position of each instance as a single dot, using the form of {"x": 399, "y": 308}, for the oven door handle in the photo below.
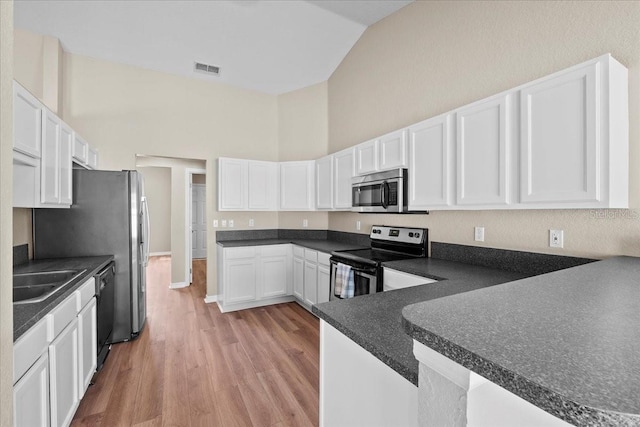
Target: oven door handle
{"x": 371, "y": 271}
{"x": 384, "y": 190}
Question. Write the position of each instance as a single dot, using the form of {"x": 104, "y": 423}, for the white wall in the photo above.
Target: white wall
{"x": 431, "y": 57}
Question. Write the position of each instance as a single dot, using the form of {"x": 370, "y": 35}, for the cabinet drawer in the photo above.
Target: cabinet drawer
{"x": 86, "y": 292}
{"x": 243, "y": 252}
{"x": 62, "y": 315}
{"x": 274, "y": 250}
{"x": 311, "y": 255}
{"x": 298, "y": 251}
{"x": 323, "y": 258}
{"x": 29, "y": 348}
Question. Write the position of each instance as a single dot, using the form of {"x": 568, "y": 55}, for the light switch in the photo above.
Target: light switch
{"x": 251, "y": 222}
{"x": 479, "y": 234}
{"x": 215, "y": 223}
{"x": 305, "y": 223}
{"x": 224, "y": 222}
{"x": 230, "y": 223}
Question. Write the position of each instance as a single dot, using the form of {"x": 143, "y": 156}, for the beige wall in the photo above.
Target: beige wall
{"x": 157, "y": 186}
{"x": 22, "y": 228}
{"x": 431, "y": 57}
{"x": 199, "y": 179}
{"x": 6, "y": 215}
{"x": 302, "y": 135}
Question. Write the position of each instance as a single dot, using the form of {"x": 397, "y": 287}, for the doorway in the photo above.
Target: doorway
{"x": 196, "y": 222}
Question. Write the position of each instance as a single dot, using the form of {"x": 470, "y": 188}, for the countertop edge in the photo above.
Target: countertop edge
{"x": 552, "y": 402}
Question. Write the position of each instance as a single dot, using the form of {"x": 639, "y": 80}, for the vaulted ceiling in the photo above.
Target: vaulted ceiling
{"x": 272, "y": 46}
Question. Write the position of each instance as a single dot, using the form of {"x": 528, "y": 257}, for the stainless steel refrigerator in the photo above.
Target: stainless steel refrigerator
{"x": 109, "y": 216}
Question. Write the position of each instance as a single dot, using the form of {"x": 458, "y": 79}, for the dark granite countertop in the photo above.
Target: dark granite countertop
{"x": 322, "y": 245}
{"x": 374, "y": 321}
{"x": 566, "y": 341}
{"x": 27, "y": 315}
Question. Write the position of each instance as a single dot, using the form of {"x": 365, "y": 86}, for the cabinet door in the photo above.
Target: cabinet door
{"x": 88, "y": 346}
{"x": 393, "y": 150}
{"x": 240, "y": 280}
{"x": 63, "y": 370}
{"x": 27, "y": 122}
{"x": 367, "y": 157}
{"x": 262, "y": 185}
{"x": 92, "y": 158}
{"x": 482, "y": 152}
{"x": 324, "y": 183}
{"x": 298, "y": 277}
{"x": 50, "y": 165}
{"x": 66, "y": 171}
{"x": 273, "y": 276}
{"x": 324, "y": 284}
{"x": 310, "y": 282}
{"x": 31, "y": 396}
{"x": 560, "y": 140}
{"x": 232, "y": 184}
{"x": 430, "y": 157}
{"x": 344, "y": 170}
{"x": 296, "y": 186}
{"x": 80, "y": 149}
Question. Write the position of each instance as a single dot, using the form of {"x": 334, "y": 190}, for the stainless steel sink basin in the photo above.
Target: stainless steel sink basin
{"x": 35, "y": 287}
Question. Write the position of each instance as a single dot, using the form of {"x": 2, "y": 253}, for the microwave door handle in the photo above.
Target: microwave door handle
{"x": 383, "y": 194}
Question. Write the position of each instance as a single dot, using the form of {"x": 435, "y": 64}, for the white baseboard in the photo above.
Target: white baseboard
{"x": 210, "y": 298}
{"x": 178, "y": 285}
{"x": 254, "y": 304}
{"x": 160, "y": 254}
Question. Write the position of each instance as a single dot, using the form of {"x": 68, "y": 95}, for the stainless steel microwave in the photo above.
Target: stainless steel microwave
{"x": 383, "y": 192}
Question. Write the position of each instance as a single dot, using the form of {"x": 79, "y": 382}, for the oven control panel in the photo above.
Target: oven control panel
{"x": 398, "y": 234}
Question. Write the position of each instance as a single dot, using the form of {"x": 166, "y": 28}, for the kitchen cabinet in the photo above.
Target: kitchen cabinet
{"x": 87, "y": 335}
{"x": 384, "y": 153}
{"x": 324, "y": 277}
{"x": 357, "y": 389}
{"x": 298, "y": 272}
{"x": 431, "y": 164}
{"x": 50, "y": 166}
{"x": 65, "y": 167}
{"x": 483, "y": 144}
{"x": 63, "y": 375}
{"x": 31, "y": 396}
{"x": 93, "y": 156}
{"x": 394, "y": 279}
{"x": 324, "y": 183}
{"x": 247, "y": 185}
{"x": 253, "y": 276}
{"x": 343, "y": 171}
{"x": 80, "y": 150}
{"x": 310, "y": 277}
{"x": 297, "y": 186}
{"x": 574, "y": 138}
{"x": 27, "y": 122}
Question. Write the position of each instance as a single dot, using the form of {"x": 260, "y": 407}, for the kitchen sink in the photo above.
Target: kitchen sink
{"x": 36, "y": 287}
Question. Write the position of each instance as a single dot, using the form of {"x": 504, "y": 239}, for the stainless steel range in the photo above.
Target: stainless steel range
{"x": 361, "y": 269}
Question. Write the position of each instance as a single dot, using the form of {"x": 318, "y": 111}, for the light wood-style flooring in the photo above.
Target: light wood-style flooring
{"x": 194, "y": 366}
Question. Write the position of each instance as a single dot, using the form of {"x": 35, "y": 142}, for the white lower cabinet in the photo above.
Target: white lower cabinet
{"x": 357, "y": 389}
{"x": 311, "y": 283}
{"x": 55, "y": 360}
{"x": 298, "y": 272}
{"x": 31, "y": 396}
{"x": 253, "y": 276}
{"x": 324, "y": 277}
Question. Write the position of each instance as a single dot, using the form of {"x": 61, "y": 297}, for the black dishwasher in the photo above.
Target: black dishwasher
{"x": 105, "y": 292}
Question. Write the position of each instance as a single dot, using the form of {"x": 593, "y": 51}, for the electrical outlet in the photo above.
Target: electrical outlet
{"x": 251, "y": 222}
{"x": 556, "y": 238}
{"x": 479, "y": 234}
{"x": 358, "y": 225}
{"x": 215, "y": 223}
{"x": 230, "y": 223}
{"x": 224, "y": 222}
{"x": 305, "y": 223}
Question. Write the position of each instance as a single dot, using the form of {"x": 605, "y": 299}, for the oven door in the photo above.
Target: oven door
{"x": 365, "y": 279}
{"x": 379, "y": 196}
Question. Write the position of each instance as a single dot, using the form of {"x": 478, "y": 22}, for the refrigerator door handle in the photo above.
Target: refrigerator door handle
{"x": 145, "y": 230}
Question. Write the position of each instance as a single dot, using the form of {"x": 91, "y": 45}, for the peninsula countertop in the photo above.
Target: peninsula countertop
{"x": 566, "y": 341}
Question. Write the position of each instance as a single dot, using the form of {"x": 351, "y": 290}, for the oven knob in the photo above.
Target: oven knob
{"x": 417, "y": 235}
{"x": 410, "y": 234}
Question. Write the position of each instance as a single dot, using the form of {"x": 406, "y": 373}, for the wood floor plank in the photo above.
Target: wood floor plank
{"x": 195, "y": 366}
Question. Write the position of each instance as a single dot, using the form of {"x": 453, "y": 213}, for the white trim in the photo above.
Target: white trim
{"x": 178, "y": 285}
{"x": 160, "y": 254}
{"x": 210, "y": 298}
{"x": 187, "y": 222}
{"x": 253, "y": 304}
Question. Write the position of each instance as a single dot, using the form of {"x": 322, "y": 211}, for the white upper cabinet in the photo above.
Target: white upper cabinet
{"x": 262, "y": 189}
{"x": 232, "y": 184}
{"x": 66, "y": 169}
{"x": 27, "y": 122}
{"x": 574, "y": 139}
{"x": 297, "y": 186}
{"x": 324, "y": 183}
{"x": 393, "y": 150}
{"x": 431, "y": 163}
{"x": 483, "y": 144}
{"x": 92, "y": 160}
{"x": 80, "y": 149}
{"x": 367, "y": 157}
{"x": 343, "y": 171}
{"x": 50, "y": 167}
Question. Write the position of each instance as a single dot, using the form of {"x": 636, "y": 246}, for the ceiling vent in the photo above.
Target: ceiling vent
{"x": 208, "y": 69}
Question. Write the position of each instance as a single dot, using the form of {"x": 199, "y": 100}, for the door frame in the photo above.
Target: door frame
{"x": 189, "y": 172}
